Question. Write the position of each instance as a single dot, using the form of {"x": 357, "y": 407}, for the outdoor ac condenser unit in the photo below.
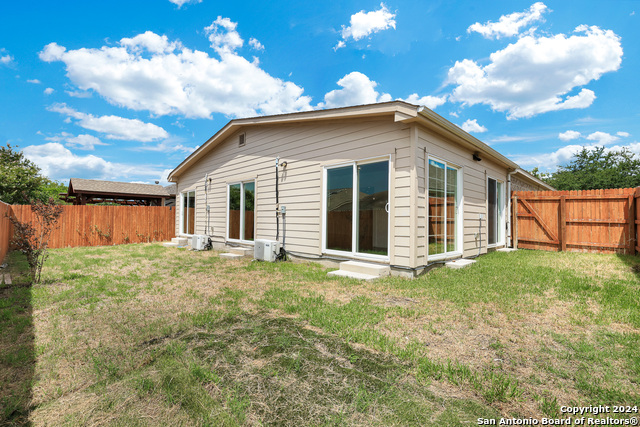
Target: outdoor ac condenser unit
{"x": 266, "y": 250}
{"x": 198, "y": 242}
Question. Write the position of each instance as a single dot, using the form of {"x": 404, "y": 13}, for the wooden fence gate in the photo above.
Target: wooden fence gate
{"x": 577, "y": 221}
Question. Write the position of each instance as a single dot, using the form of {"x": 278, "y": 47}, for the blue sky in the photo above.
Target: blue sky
{"x": 126, "y": 90}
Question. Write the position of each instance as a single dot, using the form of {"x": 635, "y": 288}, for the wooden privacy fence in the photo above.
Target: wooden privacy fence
{"x": 5, "y": 230}
{"x": 104, "y": 225}
{"x": 577, "y": 221}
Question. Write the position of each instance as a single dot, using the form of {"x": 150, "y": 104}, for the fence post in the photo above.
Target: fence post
{"x": 632, "y": 226}
{"x": 563, "y": 223}
{"x": 514, "y": 232}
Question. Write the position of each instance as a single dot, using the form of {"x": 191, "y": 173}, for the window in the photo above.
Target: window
{"x": 357, "y": 208}
{"x": 188, "y": 212}
{"x": 241, "y": 198}
{"x": 495, "y": 216}
{"x": 444, "y": 203}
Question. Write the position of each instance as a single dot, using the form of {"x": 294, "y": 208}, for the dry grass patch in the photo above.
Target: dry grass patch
{"x": 140, "y": 334}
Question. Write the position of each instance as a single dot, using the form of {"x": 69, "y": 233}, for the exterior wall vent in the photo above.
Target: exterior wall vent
{"x": 242, "y": 139}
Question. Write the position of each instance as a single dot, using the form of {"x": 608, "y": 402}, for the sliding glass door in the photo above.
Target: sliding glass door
{"x": 240, "y": 217}
{"x": 357, "y": 208}
{"x": 339, "y": 218}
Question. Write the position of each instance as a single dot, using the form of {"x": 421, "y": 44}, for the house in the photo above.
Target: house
{"x": 172, "y": 189}
{"x": 91, "y": 191}
{"x": 390, "y": 183}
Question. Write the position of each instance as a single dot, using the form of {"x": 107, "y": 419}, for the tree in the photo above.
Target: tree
{"x": 21, "y": 181}
{"x": 33, "y": 239}
{"x": 595, "y": 168}
{"x": 51, "y": 190}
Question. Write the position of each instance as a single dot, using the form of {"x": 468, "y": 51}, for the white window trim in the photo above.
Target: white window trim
{"x": 182, "y": 196}
{"x": 353, "y": 253}
{"x": 501, "y": 207}
{"x": 459, "y": 213}
{"x": 255, "y": 198}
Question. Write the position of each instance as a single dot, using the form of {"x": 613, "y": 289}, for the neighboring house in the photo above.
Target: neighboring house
{"x": 91, "y": 191}
{"x": 391, "y": 183}
{"x": 172, "y": 189}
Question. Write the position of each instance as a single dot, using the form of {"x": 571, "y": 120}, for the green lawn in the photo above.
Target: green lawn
{"x": 144, "y": 335}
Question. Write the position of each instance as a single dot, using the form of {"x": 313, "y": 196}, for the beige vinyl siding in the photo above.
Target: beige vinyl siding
{"x": 474, "y": 194}
{"x": 401, "y": 220}
{"x": 307, "y": 148}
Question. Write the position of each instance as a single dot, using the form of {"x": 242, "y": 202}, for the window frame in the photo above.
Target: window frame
{"x": 458, "y": 252}
{"x": 242, "y": 204}
{"x": 354, "y": 209}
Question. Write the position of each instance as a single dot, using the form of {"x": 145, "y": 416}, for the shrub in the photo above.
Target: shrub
{"x": 33, "y": 241}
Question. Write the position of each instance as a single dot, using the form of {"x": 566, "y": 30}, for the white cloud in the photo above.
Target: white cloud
{"x": 510, "y": 138}
{"x": 547, "y": 161}
{"x": 168, "y": 147}
{"x": 149, "y": 72}
{"x": 602, "y": 138}
{"x": 84, "y": 142}
{"x": 5, "y": 58}
{"x": 181, "y": 3}
{"x": 473, "y": 126}
{"x": 81, "y": 142}
{"x": 569, "y": 135}
{"x": 49, "y": 91}
{"x": 78, "y": 94}
{"x": 114, "y": 127}
{"x": 34, "y": 81}
{"x": 431, "y": 102}
{"x": 223, "y": 36}
{"x": 164, "y": 176}
{"x": 58, "y": 162}
{"x": 254, "y": 43}
{"x": 363, "y": 24}
{"x": 535, "y": 74}
{"x": 623, "y": 134}
{"x": 151, "y": 42}
{"x": 357, "y": 89}
{"x": 634, "y": 147}
{"x": 509, "y": 25}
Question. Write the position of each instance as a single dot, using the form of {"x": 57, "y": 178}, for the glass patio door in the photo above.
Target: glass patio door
{"x": 357, "y": 208}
